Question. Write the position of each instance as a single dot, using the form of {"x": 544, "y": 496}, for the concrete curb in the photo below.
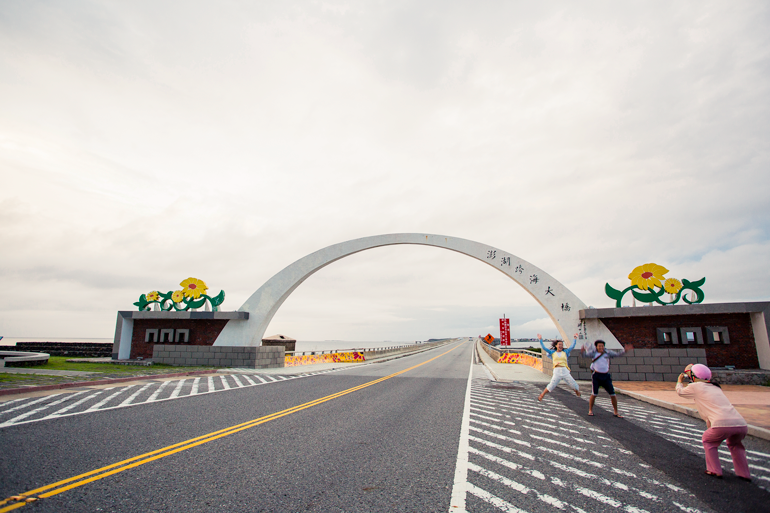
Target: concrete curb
{"x": 692, "y": 412}
{"x": 75, "y": 384}
{"x": 481, "y": 359}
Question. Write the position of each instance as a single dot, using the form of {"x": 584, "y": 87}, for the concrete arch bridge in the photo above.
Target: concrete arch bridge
{"x": 550, "y": 294}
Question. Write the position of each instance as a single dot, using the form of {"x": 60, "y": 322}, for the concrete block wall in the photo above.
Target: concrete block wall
{"x": 261, "y": 357}
{"x": 641, "y": 364}
{"x": 548, "y": 365}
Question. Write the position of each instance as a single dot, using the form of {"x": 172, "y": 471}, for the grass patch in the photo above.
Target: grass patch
{"x": 100, "y": 370}
{"x": 17, "y": 377}
{"x": 61, "y": 363}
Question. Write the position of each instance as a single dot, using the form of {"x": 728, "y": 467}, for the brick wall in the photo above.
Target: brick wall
{"x": 642, "y": 333}
{"x": 219, "y": 356}
{"x": 203, "y": 332}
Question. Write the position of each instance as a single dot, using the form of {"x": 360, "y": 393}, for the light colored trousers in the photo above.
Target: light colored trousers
{"x": 562, "y": 373}
{"x": 713, "y": 438}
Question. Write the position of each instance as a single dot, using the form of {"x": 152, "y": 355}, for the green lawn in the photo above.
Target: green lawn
{"x": 61, "y": 363}
{"x": 101, "y": 370}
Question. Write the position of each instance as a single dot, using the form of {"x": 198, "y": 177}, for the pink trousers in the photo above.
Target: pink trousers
{"x": 713, "y": 438}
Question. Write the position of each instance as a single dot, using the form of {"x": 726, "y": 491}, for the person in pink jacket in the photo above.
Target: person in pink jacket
{"x": 723, "y": 422}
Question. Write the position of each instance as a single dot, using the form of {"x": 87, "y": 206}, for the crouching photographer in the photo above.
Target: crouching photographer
{"x": 723, "y": 422}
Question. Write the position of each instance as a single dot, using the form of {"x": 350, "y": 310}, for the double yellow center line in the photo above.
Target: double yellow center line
{"x": 18, "y": 501}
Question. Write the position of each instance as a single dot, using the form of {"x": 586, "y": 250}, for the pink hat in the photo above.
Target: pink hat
{"x": 701, "y": 371}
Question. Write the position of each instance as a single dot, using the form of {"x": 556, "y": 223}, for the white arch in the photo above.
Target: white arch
{"x": 547, "y": 291}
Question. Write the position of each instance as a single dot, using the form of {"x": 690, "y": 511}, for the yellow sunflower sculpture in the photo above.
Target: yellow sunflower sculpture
{"x": 648, "y": 275}
{"x": 193, "y": 287}
{"x": 672, "y": 285}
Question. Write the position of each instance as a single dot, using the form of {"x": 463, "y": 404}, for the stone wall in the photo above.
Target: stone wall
{"x": 219, "y": 356}
{"x": 641, "y": 332}
{"x": 74, "y": 349}
{"x": 203, "y": 332}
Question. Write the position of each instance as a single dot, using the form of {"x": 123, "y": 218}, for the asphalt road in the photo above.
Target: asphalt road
{"x": 391, "y": 446}
{"x": 362, "y": 439}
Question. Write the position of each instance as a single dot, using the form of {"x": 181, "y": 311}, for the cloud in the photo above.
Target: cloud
{"x": 141, "y": 144}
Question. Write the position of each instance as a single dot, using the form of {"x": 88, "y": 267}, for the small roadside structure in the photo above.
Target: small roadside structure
{"x": 289, "y": 344}
{"x": 22, "y": 359}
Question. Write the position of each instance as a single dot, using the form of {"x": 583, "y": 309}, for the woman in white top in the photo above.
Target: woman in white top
{"x": 723, "y": 422}
{"x": 559, "y": 355}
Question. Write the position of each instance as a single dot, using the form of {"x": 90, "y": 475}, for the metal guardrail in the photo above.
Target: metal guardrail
{"x": 513, "y": 350}
{"x": 359, "y": 349}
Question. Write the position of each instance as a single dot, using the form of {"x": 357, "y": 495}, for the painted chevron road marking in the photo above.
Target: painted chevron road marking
{"x": 28, "y": 410}
{"x": 525, "y": 456}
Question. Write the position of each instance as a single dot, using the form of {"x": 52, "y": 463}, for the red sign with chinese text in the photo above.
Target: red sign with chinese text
{"x": 505, "y": 332}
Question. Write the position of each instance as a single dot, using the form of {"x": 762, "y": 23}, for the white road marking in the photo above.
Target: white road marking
{"x": 133, "y": 396}
{"x": 157, "y": 392}
{"x": 23, "y": 416}
{"x": 548, "y": 499}
{"x": 496, "y": 426}
{"x": 196, "y": 383}
{"x": 493, "y": 500}
{"x": 503, "y": 448}
{"x": 107, "y": 399}
{"x": 686, "y": 509}
{"x": 502, "y": 437}
{"x": 73, "y": 405}
{"x": 460, "y": 485}
{"x": 19, "y": 407}
{"x": 177, "y": 388}
{"x": 511, "y": 465}
{"x": 12, "y": 401}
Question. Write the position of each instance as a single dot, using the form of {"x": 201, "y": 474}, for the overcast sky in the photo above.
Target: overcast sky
{"x": 142, "y": 143}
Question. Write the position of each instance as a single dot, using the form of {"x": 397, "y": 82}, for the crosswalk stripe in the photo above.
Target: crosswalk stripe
{"x": 510, "y": 483}
{"x": 196, "y": 384}
{"x": 25, "y": 403}
{"x": 42, "y": 399}
{"x": 177, "y": 388}
{"x": 74, "y": 405}
{"x": 30, "y": 413}
{"x": 495, "y": 426}
{"x": 511, "y": 465}
{"x": 135, "y": 394}
{"x": 109, "y": 397}
{"x": 494, "y": 500}
{"x": 154, "y": 396}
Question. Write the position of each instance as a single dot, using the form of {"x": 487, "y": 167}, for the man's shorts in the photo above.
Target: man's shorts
{"x": 602, "y": 379}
